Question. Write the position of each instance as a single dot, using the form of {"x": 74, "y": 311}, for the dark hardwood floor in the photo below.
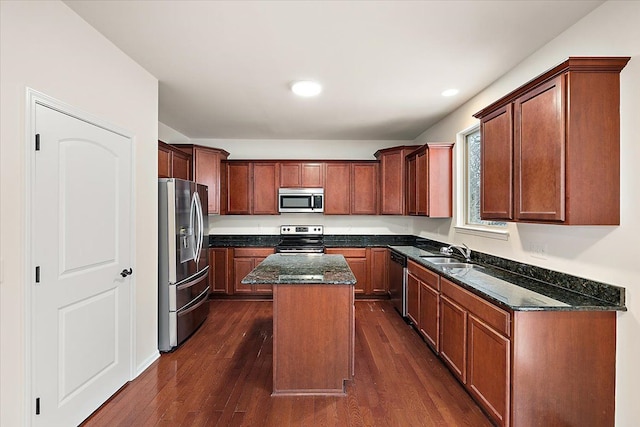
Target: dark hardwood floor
{"x": 222, "y": 377}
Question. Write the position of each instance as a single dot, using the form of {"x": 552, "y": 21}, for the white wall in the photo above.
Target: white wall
{"x": 607, "y": 254}
{"x": 170, "y": 135}
{"x": 47, "y": 47}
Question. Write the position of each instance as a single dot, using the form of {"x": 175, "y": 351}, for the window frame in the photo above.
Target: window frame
{"x": 462, "y": 193}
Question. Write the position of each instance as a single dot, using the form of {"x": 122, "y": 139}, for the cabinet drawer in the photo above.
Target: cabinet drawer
{"x": 425, "y": 275}
{"x": 252, "y": 252}
{"x": 348, "y": 252}
{"x": 487, "y": 312}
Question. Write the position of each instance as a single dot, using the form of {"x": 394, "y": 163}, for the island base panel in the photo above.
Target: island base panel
{"x": 312, "y": 339}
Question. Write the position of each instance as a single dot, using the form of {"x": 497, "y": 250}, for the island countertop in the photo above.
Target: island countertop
{"x": 302, "y": 269}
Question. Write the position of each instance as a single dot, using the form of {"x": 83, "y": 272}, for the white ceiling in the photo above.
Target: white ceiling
{"x": 225, "y": 66}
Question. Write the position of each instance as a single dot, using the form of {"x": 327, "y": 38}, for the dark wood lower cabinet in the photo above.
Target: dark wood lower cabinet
{"x": 220, "y": 266}
{"x": 489, "y": 368}
{"x": 551, "y": 368}
{"x": 379, "y": 283}
{"x": 430, "y": 314}
{"x": 413, "y": 299}
{"x": 228, "y": 266}
{"x": 370, "y": 266}
{"x": 244, "y": 261}
{"x": 453, "y": 337}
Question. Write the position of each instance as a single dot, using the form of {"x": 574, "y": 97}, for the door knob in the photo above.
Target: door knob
{"x": 125, "y": 272}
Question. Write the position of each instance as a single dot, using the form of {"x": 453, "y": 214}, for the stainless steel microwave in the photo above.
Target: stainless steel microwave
{"x": 301, "y": 200}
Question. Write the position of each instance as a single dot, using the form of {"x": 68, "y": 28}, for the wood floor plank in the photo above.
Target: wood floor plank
{"x": 222, "y": 376}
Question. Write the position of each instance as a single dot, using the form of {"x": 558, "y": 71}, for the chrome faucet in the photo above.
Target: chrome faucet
{"x": 466, "y": 252}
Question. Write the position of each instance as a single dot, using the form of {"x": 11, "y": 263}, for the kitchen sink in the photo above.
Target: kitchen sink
{"x": 458, "y": 265}
{"x": 440, "y": 260}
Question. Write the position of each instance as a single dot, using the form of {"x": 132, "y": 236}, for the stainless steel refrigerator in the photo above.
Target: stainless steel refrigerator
{"x": 183, "y": 262}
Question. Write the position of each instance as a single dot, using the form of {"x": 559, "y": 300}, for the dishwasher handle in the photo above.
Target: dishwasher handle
{"x": 397, "y": 258}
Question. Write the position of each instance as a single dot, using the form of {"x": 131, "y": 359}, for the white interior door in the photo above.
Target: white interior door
{"x": 81, "y": 242}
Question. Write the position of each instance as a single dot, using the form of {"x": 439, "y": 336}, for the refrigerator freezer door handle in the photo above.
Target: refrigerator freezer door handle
{"x": 200, "y": 225}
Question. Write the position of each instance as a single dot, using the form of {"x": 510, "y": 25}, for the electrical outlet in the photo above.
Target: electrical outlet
{"x": 538, "y": 250}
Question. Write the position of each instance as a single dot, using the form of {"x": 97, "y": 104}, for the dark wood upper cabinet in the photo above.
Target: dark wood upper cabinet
{"x": 301, "y": 174}
{"x": 539, "y": 148}
{"x": 252, "y": 187}
{"x": 173, "y": 162}
{"x": 364, "y": 188}
{"x": 207, "y": 170}
{"x": 393, "y": 179}
{"x": 337, "y": 193}
{"x": 562, "y": 130}
{"x": 239, "y": 188}
{"x": 351, "y": 188}
{"x": 496, "y": 181}
{"x": 265, "y": 188}
{"x": 430, "y": 180}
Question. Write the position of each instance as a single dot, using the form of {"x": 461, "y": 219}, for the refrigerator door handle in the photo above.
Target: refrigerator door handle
{"x": 193, "y": 220}
{"x": 199, "y": 234}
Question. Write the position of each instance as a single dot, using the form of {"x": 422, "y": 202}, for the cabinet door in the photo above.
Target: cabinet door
{"x": 262, "y": 289}
{"x": 496, "y": 170}
{"x": 413, "y": 299}
{"x": 440, "y": 180}
{"x": 429, "y": 308}
{"x": 337, "y": 200}
{"x": 540, "y": 153}
{"x": 219, "y": 271}
{"x": 239, "y": 188}
{"x": 290, "y": 175}
{"x": 360, "y": 269}
{"x": 422, "y": 184}
{"x": 392, "y": 183}
{"x": 412, "y": 207}
{"x": 165, "y": 161}
{"x": 242, "y": 267}
{"x": 489, "y": 369}
{"x": 453, "y": 337}
{"x": 181, "y": 165}
{"x": 312, "y": 175}
{"x": 206, "y": 170}
{"x": 379, "y": 283}
{"x": 364, "y": 189}
{"x": 265, "y": 188}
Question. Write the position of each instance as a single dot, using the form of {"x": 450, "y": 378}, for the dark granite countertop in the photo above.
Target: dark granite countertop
{"x": 330, "y": 240}
{"x": 514, "y": 291}
{"x": 302, "y": 269}
{"x": 514, "y": 285}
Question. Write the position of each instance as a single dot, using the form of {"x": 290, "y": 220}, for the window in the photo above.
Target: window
{"x": 469, "y": 220}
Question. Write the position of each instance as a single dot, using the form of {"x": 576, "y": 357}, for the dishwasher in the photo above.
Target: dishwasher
{"x": 398, "y": 282}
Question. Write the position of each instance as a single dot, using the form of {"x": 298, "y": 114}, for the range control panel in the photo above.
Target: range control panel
{"x": 301, "y": 229}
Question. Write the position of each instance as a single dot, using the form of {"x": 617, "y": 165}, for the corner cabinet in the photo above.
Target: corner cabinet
{"x": 206, "y": 164}
{"x": 430, "y": 180}
{"x": 173, "y": 162}
{"x": 393, "y": 179}
{"x": 551, "y": 148}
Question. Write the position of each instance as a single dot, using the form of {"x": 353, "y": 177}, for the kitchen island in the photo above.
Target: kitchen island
{"x": 313, "y": 322}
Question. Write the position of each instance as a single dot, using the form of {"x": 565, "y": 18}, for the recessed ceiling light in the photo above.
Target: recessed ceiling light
{"x": 450, "y": 92}
{"x": 306, "y": 88}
